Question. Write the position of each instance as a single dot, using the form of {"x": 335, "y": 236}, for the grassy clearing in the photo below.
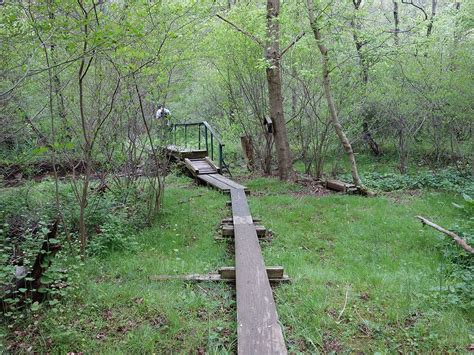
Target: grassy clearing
{"x": 372, "y": 256}
{"x": 363, "y": 270}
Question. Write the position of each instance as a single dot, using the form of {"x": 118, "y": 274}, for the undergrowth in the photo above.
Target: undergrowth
{"x": 449, "y": 179}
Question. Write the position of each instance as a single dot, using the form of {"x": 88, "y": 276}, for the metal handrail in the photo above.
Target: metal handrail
{"x": 209, "y": 135}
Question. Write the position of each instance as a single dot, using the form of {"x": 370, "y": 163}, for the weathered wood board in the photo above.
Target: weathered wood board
{"x": 258, "y": 329}
{"x": 180, "y": 153}
{"x": 228, "y": 230}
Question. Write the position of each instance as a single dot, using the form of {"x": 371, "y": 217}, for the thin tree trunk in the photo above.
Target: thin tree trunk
{"x": 87, "y": 148}
{"x": 327, "y": 90}
{"x": 402, "y": 147}
{"x": 396, "y": 23}
{"x": 433, "y": 14}
{"x": 272, "y": 54}
{"x": 364, "y": 66}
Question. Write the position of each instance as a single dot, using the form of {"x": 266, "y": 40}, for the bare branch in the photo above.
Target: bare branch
{"x": 410, "y": 2}
{"x": 238, "y": 29}
{"x": 292, "y": 43}
{"x": 461, "y": 242}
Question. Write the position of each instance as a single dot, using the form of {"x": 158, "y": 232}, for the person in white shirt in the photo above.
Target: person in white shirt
{"x": 162, "y": 112}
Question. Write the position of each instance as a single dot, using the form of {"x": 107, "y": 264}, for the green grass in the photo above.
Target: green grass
{"x": 370, "y": 249}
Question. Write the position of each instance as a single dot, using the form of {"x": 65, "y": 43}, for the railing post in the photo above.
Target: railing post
{"x": 212, "y": 146}
{"x": 207, "y": 144}
{"x": 185, "y": 136}
{"x": 221, "y": 158}
{"x": 199, "y": 136}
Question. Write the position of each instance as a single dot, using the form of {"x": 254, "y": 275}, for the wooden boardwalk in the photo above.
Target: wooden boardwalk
{"x": 258, "y": 329}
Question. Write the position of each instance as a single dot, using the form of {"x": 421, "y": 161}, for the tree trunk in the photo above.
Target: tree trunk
{"x": 433, "y": 14}
{"x": 247, "y": 148}
{"x": 272, "y": 54}
{"x": 402, "y": 147}
{"x": 328, "y": 93}
{"x": 396, "y": 23}
{"x": 364, "y": 66}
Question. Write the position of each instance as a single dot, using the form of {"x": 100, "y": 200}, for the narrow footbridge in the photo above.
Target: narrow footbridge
{"x": 258, "y": 328}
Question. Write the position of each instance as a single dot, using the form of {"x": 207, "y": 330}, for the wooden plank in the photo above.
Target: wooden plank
{"x": 230, "y": 238}
{"x": 216, "y": 178}
{"x": 229, "y": 182}
{"x": 211, "y": 163}
{"x": 213, "y": 277}
{"x": 207, "y": 178}
{"x": 189, "y": 164}
{"x": 205, "y": 171}
{"x": 228, "y": 230}
{"x": 273, "y": 272}
{"x": 192, "y": 277}
{"x": 258, "y": 330}
{"x": 182, "y": 153}
{"x": 230, "y": 220}
{"x": 337, "y": 185}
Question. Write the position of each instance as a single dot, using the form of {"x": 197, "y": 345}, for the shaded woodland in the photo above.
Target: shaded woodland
{"x": 375, "y": 95}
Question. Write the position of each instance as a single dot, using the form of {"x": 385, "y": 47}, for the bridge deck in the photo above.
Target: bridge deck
{"x": 181, "y": 153}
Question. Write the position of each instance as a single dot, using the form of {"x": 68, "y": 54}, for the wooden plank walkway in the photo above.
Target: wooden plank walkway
{"x": 258, "y": 329}
{"x": 180, "y": 153}
{"x": 220, "y": 182}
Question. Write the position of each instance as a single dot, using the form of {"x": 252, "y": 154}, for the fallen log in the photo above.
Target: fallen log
{"x": 461, "y": 242}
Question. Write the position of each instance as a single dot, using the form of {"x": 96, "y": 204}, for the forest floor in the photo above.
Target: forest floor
{"x": 364, "y": 274}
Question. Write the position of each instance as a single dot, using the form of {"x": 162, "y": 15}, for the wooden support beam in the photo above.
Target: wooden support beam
{"x": 214, "y": 277}
{"x": 230, "y": 220}
{"x": 191, "y": 167}
{"x": 228, "y": 230}
{"x": 273, "y": 272}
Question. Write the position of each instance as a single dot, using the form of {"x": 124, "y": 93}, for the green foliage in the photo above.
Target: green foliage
{"x": 115, "y": 235}
{"x": 460, "y": 270}
{"x": 446, "y": 179}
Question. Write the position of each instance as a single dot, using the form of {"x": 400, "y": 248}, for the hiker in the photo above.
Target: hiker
{"x": 162, "y": 112}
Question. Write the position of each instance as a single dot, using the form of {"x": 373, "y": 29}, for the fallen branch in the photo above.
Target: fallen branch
{"x": 456, "y": 237}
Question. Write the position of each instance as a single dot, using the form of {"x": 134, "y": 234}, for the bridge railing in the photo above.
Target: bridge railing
{"x": 206, "y": 137}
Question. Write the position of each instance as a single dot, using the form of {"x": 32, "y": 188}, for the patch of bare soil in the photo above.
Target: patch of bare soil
{"x": 330, "y": 344}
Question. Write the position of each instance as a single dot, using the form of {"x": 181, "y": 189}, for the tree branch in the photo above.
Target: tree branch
{"x": 292, "y": 43}
{"x": 406, "y": 2}
{"x": 461, "y": 242}
{"x": 238, "y": 29}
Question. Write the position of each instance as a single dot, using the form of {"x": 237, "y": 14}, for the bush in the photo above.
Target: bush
{"x": 114, "y": 235}
{"x": 460, "y": 272}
